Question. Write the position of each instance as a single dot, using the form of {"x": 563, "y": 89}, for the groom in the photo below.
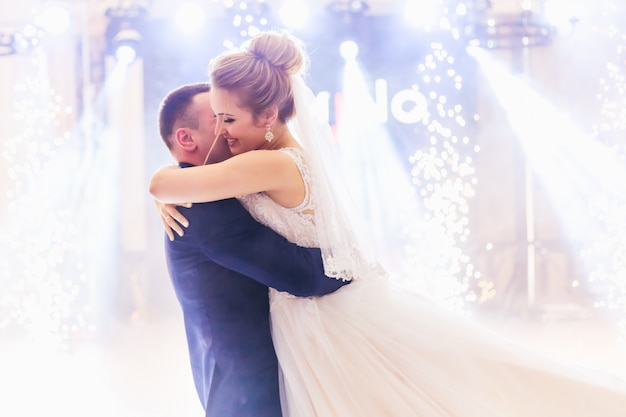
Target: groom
{"x": 221, "y": 269}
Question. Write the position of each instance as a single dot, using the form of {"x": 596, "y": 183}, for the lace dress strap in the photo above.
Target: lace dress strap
{"x": 298, "y": 157}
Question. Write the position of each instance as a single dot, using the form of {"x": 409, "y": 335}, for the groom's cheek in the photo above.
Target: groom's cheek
{"x": 220, "y": 151}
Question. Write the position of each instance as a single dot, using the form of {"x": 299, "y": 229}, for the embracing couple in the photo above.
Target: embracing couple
{"x": 261, "y": 268}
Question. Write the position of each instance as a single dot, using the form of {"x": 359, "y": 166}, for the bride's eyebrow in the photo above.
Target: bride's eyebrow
{"x": 224, "y": 114}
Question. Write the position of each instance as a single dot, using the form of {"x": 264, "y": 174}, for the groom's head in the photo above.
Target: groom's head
{"x": 187, "y": 125}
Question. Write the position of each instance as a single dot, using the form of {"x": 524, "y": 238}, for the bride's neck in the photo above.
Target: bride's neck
{"x": 282, "y": 138}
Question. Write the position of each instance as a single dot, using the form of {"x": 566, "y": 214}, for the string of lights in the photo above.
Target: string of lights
{"x": 45, "y": 279}
{"x": 444, "y": 175}
{"x": 605, "y": 255}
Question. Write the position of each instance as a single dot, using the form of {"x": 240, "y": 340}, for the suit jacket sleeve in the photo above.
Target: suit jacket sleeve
{"x": 232, "y": 238}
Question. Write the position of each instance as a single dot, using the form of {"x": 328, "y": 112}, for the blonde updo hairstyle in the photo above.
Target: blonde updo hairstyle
{"x": 258, "y": 74}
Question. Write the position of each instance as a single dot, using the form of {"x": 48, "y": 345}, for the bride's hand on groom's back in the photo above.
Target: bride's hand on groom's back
{"x": 173, "y": 221}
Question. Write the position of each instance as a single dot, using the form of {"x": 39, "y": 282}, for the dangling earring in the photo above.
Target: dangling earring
{"x": 269, "y": 136}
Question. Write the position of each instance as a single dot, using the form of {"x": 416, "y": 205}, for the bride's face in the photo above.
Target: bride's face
{"x": 238, "y": 125}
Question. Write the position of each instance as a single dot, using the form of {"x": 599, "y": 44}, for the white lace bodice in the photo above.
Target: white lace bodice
{"x": 295, "y": 224}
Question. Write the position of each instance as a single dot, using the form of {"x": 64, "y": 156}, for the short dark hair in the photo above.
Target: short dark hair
{"x": 175, "y": 107}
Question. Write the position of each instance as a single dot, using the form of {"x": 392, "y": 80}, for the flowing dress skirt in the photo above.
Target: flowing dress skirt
{"x": 374, "y": 350}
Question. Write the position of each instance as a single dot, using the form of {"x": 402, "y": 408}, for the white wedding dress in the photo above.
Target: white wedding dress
{"x": 374, "y": 350}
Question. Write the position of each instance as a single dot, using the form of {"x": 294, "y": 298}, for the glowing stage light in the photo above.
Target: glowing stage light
{"x": 349, "y": 50}
{"x": 421, "y": 14}
{"x": 126, "y": 43}
{"x": 294, "y": 13}
{"x": 54, "y": 20}
{"x": 190, "y": 17}
{"x": 124, "y": 33}
{"x": 125, "y": 54}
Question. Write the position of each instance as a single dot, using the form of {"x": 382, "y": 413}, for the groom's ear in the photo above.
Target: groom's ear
{"x": 184, "y": 139}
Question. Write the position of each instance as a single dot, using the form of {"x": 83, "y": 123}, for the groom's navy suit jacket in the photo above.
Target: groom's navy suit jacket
{"x": 220, "y": 270}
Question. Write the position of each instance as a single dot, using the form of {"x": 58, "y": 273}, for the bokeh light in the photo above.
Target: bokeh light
{"x": 45, "y": 279}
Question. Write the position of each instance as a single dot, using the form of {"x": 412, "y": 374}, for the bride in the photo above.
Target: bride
{"x": 370, "y": 349}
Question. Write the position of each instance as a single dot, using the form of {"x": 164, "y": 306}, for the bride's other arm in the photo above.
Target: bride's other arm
{"x": 251, "y": 172}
